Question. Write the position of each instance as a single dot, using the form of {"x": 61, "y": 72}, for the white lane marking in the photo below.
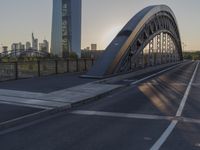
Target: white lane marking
{"x": 135, "y": 116}
{"x": 180, "y": 109}
{"x": 153, "y": 75}
{"x": 121, "y": 115}
{"x": 164, "y": 136}
{"x": 191, "y": 120}
{"x": 170, "y": 128}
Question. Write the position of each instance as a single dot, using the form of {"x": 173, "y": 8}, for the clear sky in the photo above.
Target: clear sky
{"x": 101, "y": 19}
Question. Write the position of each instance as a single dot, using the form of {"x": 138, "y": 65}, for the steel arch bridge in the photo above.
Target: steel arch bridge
{"x": 150, "y": 38}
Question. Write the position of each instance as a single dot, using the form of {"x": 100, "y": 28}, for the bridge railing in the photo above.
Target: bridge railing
{"x": 29, "y": 69}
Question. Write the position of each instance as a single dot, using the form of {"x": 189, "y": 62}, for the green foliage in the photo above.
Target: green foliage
{"x": 192, "y": 55}
{"x": 73, "y": 55}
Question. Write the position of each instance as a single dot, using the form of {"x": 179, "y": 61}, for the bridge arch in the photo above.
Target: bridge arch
{"x": 151, "y": 37}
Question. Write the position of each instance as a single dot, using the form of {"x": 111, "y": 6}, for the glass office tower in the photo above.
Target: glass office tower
{"x": 66, "y": 27}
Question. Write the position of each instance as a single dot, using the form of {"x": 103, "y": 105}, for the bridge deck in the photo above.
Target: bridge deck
{"x": 45, "y": 84}
{"x": 133, "y": 118}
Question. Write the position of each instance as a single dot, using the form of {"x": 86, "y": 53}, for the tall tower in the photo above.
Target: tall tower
{"x": 34, "y": 42}
{"x": 66, "y": 27}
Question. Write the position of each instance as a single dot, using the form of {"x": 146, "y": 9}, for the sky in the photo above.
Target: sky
{"x": 101, "y": 20}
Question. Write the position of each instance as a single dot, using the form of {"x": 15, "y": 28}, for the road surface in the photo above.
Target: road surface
{"x": 159, "y": 113}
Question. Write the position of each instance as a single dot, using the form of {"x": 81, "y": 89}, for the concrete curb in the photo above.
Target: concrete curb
{"x": 35, "y": 117}
{"x": 31, "y": 118}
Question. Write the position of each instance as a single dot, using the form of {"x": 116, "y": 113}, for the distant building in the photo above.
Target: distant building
{"x": 94, "y": 54}
{"x": 5, "y": 49}
{"x": 44, "y": 46}
{"x": 22, "y": 47}
{"x": 94, "y": 47}
{"x": 41, "y": 46}
{"x": 66, "y": 27}
{"x": 17, "y": 46}
{"x": 34, "y": 42}
{"x": 87, "y": 48}
{"x": 28, "y": 45}
{"x": 14, "y": 46}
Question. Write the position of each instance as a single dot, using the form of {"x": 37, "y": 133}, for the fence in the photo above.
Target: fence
{"x": 28, "y": 69}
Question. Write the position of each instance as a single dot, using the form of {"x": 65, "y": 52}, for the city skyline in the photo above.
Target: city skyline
{"x": 97, "y": 26}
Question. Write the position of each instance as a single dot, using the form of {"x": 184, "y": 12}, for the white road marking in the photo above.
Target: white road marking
{"x": 164, "y": 136}
{"x": 135, "y": 116}
{"x": 153, "y": 75}
{"x": 121, "y": 115}
{"x": 190, "y": 120}
{"x": 170, "y": 128}
{"x": 180, "y": 109}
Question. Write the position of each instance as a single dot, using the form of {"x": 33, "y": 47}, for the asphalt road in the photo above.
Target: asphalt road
{"x": 9, "y": 112}
{"x": 136, "y": 118}
{"x": 45, "y": 84}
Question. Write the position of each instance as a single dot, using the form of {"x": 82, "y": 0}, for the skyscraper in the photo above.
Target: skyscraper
{"x": 44, "y": 46}
{"x": 34, "y": 42}
{"x": 28, "y": 45}
{"x": 66, "y": 27}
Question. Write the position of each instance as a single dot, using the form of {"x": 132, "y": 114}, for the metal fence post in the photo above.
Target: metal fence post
{"x": 67, "y": 65}
{"x": 56, "y": 66}
{"x": 85, "y": 61}
{"x": 16, "y": 70}
{"x": 38, "y": 62}
{"x": 77, "y": 68}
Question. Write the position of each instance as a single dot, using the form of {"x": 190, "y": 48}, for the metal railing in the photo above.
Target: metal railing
{"x": 29, "y": 69}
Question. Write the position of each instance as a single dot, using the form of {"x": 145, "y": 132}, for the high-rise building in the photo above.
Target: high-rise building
{"x": 28, "y": 45}
{"x": 14, "y": 46}
{"x": 44, "y": 46}
{"x": 34, "y": 42}
{"x": 66, "y": 27}
{"x": 93, "y": 46}
{"x": 5, "y": 49}
{"x": 41, "y": 45}
{"x": 17, "y": 46}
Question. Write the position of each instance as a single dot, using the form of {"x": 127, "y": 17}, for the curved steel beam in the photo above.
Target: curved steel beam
{"x": 138, "y": 31}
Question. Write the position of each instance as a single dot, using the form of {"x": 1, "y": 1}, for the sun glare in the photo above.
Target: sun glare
{"x": 110, "y": 34}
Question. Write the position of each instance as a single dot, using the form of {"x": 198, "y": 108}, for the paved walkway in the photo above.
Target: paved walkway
{"x": 46, "y": 84}
{"x": 51, "y": 92}
{"x": 60, "y": 98}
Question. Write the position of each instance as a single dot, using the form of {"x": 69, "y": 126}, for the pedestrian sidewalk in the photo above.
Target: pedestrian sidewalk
{"x": 62, "y": 98}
